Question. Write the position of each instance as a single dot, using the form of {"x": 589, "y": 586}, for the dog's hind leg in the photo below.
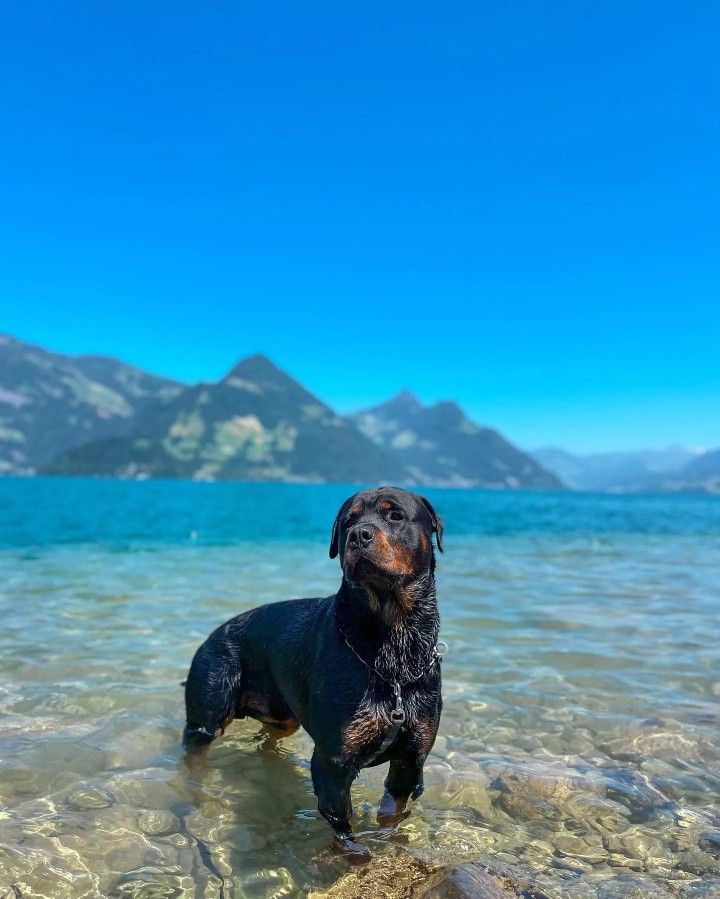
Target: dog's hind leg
{"x": 210, "y": 693}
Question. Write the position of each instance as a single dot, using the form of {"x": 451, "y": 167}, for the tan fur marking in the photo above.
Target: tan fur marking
{"x": 426, "y": 731}
{"x": 373, "y": 601}
{"x": 289, "y": 725}
{"x": 394, "y": 556}
{"x": 367, "y": 725}
{"x": 384, "y": 505}
{"x": 229, "y": 717}
{"x": 356, "y": 509}
{"x": 404, "y": 599}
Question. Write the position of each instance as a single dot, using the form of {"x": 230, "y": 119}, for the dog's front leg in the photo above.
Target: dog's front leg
{"x": 332, "y": 781}
{"x": 404, "y": 781}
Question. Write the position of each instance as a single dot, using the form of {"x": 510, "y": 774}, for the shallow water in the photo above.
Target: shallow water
{"x": 580, "y": 740}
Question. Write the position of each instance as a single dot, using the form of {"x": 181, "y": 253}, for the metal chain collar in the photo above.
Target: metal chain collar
{"x": 397, "y": 715}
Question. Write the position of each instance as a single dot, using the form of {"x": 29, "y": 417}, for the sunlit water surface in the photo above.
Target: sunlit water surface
{"x": 580, "y": 739}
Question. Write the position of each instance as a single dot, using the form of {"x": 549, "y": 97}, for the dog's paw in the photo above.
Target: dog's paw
{"x": 392, "y": 820}
{"x": 391, "y": 811}
{"x": 352, "y": 851}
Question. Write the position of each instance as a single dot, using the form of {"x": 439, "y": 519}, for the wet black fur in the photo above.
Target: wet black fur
{"x": 289, "y": 661}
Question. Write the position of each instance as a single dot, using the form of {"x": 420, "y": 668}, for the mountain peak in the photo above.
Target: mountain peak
{"x": 405, "y": 401}
{"x": 258, "y": 373}
{"x": 253, "y": 367}
{"x": 447, "y": 412}
{"x": 448, "y": 406}
{"x": 440, "y": 445}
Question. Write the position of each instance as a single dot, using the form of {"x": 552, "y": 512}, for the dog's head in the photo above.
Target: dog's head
{"x": 384, "y": 537}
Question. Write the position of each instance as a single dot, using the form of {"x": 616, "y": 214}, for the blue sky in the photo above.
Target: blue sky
{"x": 513, "y": 204}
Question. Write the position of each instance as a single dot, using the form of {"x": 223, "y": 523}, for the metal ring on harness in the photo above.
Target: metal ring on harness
{"x": 397, "y": 716}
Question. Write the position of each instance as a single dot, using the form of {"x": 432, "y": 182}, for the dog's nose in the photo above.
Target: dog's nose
{"x": 361, "y": 535}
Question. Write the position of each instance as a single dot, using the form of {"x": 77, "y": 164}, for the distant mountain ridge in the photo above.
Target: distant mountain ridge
{"x": 257, "y": 423}
{"x": 675, "y": 468}
{"x": 439, "y": 444}
{"x": 91, "y": 415}
{"x": 702, "y": 473}
{"x": 50, "y": 402}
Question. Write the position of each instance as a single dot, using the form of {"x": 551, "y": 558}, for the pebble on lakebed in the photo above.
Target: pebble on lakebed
{"x": 402, "y": 876}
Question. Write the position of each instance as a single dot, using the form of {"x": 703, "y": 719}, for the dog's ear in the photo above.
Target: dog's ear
{"x": 335, "y": 537}
{"x": 437, "y": 522}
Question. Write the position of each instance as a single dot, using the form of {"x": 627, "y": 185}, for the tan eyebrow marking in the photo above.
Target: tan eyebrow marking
{"x": 356, "y": 509}
{"x": 384, "y": 505}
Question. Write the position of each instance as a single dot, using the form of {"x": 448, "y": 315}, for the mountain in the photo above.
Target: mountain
{"x": 257, "y": 423}
{"x": 440, "y": 445}
{"x": 50, "y": 402}
{"x": 618, "y": 472}
{"x": 92, "y": 415}
{"x": 702, "y": 474}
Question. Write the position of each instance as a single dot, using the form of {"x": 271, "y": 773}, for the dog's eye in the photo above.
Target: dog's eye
{"x": 395, "y": 515}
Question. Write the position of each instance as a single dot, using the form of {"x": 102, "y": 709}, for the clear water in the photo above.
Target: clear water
{"x": 580, "y": 741}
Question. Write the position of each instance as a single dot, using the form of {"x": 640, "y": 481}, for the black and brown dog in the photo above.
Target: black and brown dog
{"x": 360, "y": 670}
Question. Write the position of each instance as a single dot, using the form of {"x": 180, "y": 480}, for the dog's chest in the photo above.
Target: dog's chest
{"x": 372, "y": 723}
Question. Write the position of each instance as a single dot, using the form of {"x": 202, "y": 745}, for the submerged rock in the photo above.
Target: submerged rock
{"x": 404, "y": 877}
{"x": 710, "y": 842}
{"x": 386, "y": 877}
{"x": 473, "y": 881}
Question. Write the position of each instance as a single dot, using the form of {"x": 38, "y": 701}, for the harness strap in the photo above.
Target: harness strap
{"x": 392, "y": 735}
{"x": 397, "y": 719}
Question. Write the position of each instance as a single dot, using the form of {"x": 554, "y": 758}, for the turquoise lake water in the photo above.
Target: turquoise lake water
{"x": 580, "y": 740}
